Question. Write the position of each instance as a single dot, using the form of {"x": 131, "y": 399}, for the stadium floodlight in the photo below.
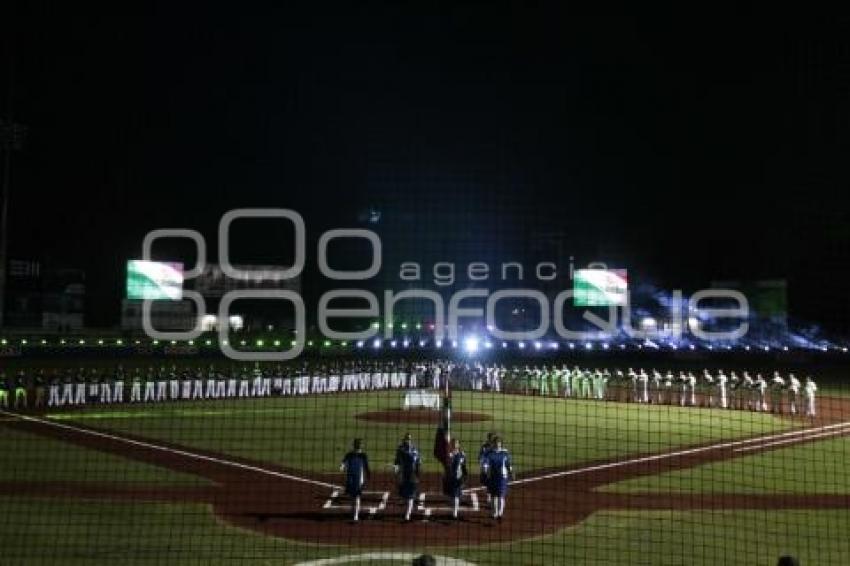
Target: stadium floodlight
{"x": 343, "y": 344}
{"x": 209, "y": 342}
{"x": 277, "y": 342}
{"x": 747, "y": 348}
{"x": 83, "y": 342}
{"x": 418, "y": 326}
{"x": 422, "y": 343}
{"x": 24, "y": 341}
{"x": 537, "y": 345}
{"x": 224, "y": 342}
{"x": 393, "y": 344}
{"x": 99, "y": 342}
{"x": 241, "y": 342}
{"x": 327, "y": 344}
{"x": 844, "y": 349}
{"x": 43, "y": 342}
{"x": 553, "y": 345}
{"x": 470, "y": 344}
{"x": 119, "y": 342}
{"x": 376, "y": 343}
{"x": 605, "y": 346}
{"x": 622, "y": 346}
{"x": 767, "y": 348}
{"x": 406, "y": 343}
{"x": 710, "y": 347}
{"x": 293, "y": 343}
{"x": 137, "y": 341}
{"x": 521, "y": 345}
{"x": 404, "y": 326}
{"x": 572, "y": 346}
{"x": 439, "y": 343}
{"x": 488, "y": 344}
{"x": 360, "y": 343}
{"x": 504, "y": 344}
{"x": 309, "y": 343}
{"x": 376, "y": 325}
{"x": 3, "y": 341}
{"x": 260, "y": 343}
{"x": 174, "y": 343}
{"x": 390, "y": 325}
{"x": 785, "y": 348}
{"x": 454, "y": 343}
{"x": 588, "y": 346}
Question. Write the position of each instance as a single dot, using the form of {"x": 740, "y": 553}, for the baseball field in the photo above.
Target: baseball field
{"x": 257, "y": 481}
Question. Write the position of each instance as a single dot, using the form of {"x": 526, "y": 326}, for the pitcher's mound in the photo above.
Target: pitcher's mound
{"x": 420, "y": 416}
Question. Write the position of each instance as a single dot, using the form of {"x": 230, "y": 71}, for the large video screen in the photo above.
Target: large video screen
{"x": 600, "y": 287}
{"x": 154, "y": 280}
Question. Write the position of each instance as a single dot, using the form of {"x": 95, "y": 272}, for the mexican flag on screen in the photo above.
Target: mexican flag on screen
{"x": 600, "y": 287}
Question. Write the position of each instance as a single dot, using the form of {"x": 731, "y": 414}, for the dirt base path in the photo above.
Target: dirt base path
{"x": 292, "y": 504}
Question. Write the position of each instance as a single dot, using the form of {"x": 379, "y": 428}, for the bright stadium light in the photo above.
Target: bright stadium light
{"x": 241, "y": 342}
{"x": 422, "y": 343}
{"x": 605, "y": 346}
{"x": 588, "y": 346}
{"x": 521, "y": 345}
{"x": 327, "y": 343}
{"x": 785, "y": 348}
{"x": 406, "y": 343}
{"x": 309, "y": 343}
{"x": 553, "y": 345}
{"x": 277, "y": 342}
{"x": 82, "y": 342}
{"x": 418, "y": 326}
{"x": 191, "y": 342}
{"x": 471, "y": 344}
{"x": 209, "y": 342}
{"x": 488, "y": 344}
{"x": 3, "y": 341}
{"x": 43, "y": 342}
{"x": 504, "y": 344}
{"x": 260, "y": 343}
{"x": 404, "y": 326}
{"x": 376, "y": 343}
{"x": 359, "y": 343}
{"x": 293, "y": 343}
{"x": 572, "y": 346}
{"x": 393, "y": 344}
{"x": 454, "y": 343}
{"x": 537, "y": 345}
{"x": 343, "y": 344}
{"x": 439, "y": 343}
{"x": 24, "y": 341}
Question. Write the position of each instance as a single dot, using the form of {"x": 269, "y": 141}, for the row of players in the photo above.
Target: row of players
{"x": 686, "y": 389}
{"x": 494, "y": 460}
{"x": 780, "y": 394}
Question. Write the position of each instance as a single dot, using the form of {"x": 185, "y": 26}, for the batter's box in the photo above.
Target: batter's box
{"x": 468, "y": 504}
{"x": 370, "y": 501}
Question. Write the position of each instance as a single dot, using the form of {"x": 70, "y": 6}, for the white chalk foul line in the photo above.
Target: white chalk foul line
{"x": 176, "y": 451}
{"x": 799, "y": 433}
{"x": 827, "y": 434}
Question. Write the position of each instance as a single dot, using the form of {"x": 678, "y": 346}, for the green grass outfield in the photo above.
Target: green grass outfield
{"x": 312, "y": 433}
{"x": 821, "y": 467}
{"x": 32, "y": 458}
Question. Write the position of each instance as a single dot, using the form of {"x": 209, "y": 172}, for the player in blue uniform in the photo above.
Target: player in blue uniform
{"x": 483, "y": 454}
{"x": 499, "y": 471}
{"x": 407, "y": 463}
{"x": 456, "y": 474}
{"x": 355, "y": 464}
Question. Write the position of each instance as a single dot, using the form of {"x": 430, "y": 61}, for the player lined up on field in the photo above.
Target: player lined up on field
{"x": 780, "y": 394}
{"x": 493, "y": 458}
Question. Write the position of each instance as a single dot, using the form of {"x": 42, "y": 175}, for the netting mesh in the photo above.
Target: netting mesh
{"x": 511, "y": 459}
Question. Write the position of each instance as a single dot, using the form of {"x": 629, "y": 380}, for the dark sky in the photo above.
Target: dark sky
{"x": 688, "y": 145}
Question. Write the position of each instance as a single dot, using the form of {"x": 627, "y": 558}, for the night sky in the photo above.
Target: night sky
{"x": 686, "y": 145}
